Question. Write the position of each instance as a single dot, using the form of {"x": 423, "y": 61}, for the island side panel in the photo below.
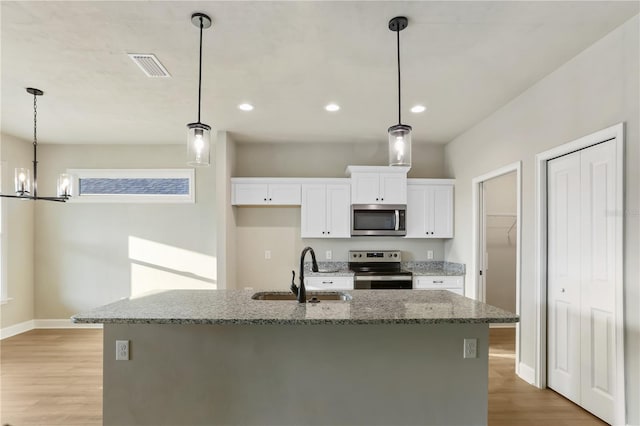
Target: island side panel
{"x": 295, "y": 375}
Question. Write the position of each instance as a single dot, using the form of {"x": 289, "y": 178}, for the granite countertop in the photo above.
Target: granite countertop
{"x": 328, "y": 269}
{"x": 237, "y": 307}
{"x": 437, "y": 268}
{"x": 429, "y": 267}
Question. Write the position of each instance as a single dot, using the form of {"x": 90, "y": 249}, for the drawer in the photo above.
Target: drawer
{"x": 328, "y": 283}
{"x": 435, "y": 282}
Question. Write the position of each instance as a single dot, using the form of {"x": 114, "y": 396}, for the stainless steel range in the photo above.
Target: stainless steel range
{"x": 379, "y": 270}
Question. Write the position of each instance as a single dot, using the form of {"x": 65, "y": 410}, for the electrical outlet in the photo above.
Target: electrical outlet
{"x": 470, "y": 348}
{"x": 122, "y": 350}
{"x": 328, "y": 254}
{"x": 429, "y": 254}
{"x": 267, "y": 254}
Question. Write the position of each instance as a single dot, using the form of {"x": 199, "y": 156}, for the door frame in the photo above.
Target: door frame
{"x": 478, "y": 239}
{"x": 614, "y": 132}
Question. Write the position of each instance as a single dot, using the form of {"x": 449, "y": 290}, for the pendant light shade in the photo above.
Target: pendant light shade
{"x": 399, "y": 134}
{"x": 22, "y": 181}
{"x": 198, "y": 144}
{"x": 400, "y": 145}
{"x": 199, "y": 134}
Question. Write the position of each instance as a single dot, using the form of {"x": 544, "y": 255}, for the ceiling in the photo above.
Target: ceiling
{"x": 462, "y": 60}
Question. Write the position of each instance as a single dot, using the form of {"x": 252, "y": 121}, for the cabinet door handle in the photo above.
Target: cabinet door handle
{"x": 381, "y": 199}
{"x": 269, "y": 199}
{"x": 377, "y": 199}
{"x": 322, "y": 232}
{"x": 265, "y": 199}
{"x": 328, "y": 232}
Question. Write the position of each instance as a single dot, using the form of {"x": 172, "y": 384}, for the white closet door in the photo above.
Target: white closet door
{"x": 598, "y": 206}
{"x": 563, "y": 268}
{"x": 581, "y": 241}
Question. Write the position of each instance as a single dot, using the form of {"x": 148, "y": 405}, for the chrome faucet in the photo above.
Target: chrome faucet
{"x": 300, "y": 290}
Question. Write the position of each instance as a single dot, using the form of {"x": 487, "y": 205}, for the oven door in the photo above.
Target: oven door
{"x": 383, "y": 282}
{"x": 378, "y": 219}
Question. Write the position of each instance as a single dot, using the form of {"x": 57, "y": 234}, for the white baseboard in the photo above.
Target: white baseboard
{"x": 526, "y": 373}
{"x": 62, "y": 323}
{"x": 15, "y": 329}
{"x": 23, "y": 327}
{"x": 508, "y": 325}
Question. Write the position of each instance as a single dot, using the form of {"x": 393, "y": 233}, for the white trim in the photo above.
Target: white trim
{"x": 614, "y": 132}
{"x": 5, "y": 301}
{"x": 25, "y": 326}
{"x": 526, "y": 373}
{"x": 475, "y": 259}
{"x": 62, "y": 323}
{"x": 4, "y": 286}
{"x": 132, "y": 173}
{"x": 429, "y": 181}
{"x": 509, "y": 325}
{"x": 16, "y": 329}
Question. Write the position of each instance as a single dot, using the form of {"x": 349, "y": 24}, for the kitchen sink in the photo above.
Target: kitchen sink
{"x": 318, "y": 295}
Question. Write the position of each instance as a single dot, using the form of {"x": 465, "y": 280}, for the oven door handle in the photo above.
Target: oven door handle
{"x": 397, "y": 219}
{"x": 384, "y": 278}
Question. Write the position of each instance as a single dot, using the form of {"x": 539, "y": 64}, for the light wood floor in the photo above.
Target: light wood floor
{"x": 513, "y": 402}
{"x": 54, "y": 377}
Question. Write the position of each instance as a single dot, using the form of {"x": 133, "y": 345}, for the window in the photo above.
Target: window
{"x": 133, "y": 185}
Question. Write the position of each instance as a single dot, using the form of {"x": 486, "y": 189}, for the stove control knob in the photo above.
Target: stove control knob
{"x": 395, "y": 254}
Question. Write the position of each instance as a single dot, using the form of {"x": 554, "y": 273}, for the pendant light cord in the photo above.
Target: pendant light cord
{"x": 200, "y": 71}
{"x": 399, "y": 92}
{"x": 35, "y": 145}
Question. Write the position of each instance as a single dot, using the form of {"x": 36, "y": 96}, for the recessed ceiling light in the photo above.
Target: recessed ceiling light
{"x": 418, "y": 108}
{"x": 246, "y": 107}
{"x": 332, "y": 107}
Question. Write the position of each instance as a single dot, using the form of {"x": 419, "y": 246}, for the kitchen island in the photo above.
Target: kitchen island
{"x": 209, "y": 357}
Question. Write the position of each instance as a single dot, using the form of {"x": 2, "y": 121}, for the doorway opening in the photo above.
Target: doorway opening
{"x": 496, "y": 246}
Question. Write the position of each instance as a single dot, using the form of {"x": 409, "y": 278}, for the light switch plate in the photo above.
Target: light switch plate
{"x": 328, "y": 254}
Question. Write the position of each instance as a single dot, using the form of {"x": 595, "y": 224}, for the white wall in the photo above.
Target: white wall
{"x": 19, "y": 239}
{"x": 594, "y": 90}
{"x": 226, "y": 214}
{"x": 278, "y": 229}
{"x": 89, "y": 254}
{"x": 500, "y": 202}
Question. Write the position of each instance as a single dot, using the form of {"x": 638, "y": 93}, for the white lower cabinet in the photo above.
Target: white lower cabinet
{"x": 454, "y": 284}
{"x": 325, "y": 211}
{"x": 328, "y": 283}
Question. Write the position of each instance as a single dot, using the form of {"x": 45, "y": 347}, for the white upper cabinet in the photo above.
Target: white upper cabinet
{"x": 378, "y": 185}
{"x": 265, "y": 191}
{"x": 430, "y": 208}
{"x": 325, "y": 210}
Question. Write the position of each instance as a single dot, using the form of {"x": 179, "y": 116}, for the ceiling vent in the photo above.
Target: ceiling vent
{"x": 149, "y": 64}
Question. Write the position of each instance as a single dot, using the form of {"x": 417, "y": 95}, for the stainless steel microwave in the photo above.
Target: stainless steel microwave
{"x": 378, "y": 219}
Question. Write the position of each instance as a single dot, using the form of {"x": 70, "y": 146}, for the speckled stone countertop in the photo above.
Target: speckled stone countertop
{"x": 237, "y": 307}
{"x": 437, "y": 268}
{"x": 328, "y": 269}
{"x": 428, "y": 267}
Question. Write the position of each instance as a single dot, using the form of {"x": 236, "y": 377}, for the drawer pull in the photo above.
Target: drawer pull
{"x": 327, "y": 282}
{"x": 438, "y": 282}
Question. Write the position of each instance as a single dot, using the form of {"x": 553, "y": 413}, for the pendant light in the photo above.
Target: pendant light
{"x": 198, "y": 134}
{"x": 399, "y": 134}
{"x": 24, "y": 187}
